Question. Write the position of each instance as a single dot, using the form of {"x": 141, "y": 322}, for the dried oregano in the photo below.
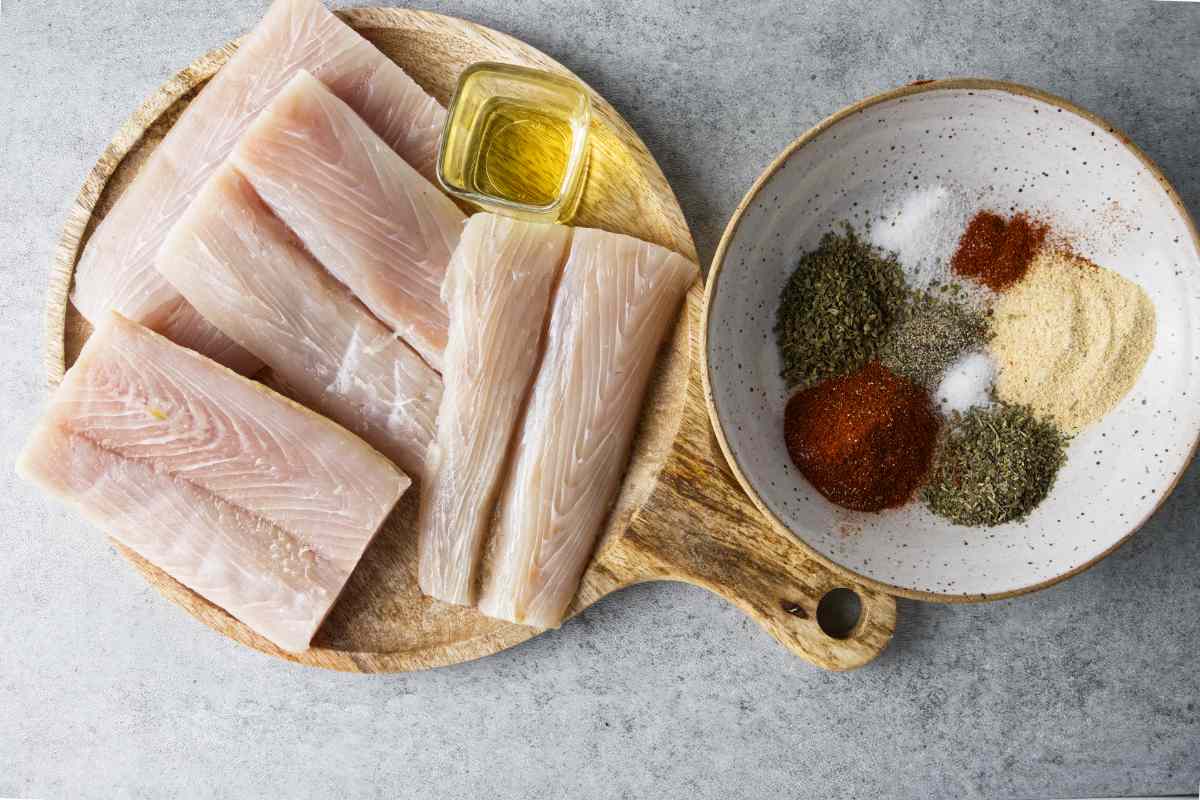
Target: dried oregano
{"x": 993, "y": 465}
{"x": 836, "y": 307}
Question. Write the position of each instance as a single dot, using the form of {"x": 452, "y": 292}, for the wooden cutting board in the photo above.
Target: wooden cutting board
{"x": 680, "y": 514}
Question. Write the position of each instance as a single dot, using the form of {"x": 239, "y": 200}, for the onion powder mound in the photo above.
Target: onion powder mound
{"x": 1071, "y": 339}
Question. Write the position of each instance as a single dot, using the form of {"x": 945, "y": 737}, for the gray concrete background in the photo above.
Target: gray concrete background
{"x": 1091, "y": 687}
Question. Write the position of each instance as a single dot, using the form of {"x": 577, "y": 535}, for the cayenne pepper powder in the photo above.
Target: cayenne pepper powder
{"x": 864, "y": 440}
{"x": 995, "y": 251}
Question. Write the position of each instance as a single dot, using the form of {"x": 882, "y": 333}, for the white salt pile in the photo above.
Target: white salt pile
{"x": 966, "y": 383}
{"x": 923, "y": 229}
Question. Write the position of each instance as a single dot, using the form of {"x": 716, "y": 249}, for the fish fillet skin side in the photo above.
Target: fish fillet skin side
{"x": 372, "y": 221}
{"x": 116, "y": 270}
{"x": 254, "y": 502}
{"x": 615, "y": 303}
{"x": 497, "y": 291}
{"x": 248, "y": 274}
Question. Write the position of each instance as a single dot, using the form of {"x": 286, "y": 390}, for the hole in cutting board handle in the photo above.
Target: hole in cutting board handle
{"x": 839, "y": 612}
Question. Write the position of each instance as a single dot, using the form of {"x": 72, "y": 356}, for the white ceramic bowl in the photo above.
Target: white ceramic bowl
{"x": 1005, "y": 147}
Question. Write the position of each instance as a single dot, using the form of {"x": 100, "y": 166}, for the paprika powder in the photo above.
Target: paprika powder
{"x": 864, "y": 440}
{"x": 996, "y": 252}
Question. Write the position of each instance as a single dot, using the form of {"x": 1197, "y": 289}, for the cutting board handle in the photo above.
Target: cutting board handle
{"x": 699, "y": 526}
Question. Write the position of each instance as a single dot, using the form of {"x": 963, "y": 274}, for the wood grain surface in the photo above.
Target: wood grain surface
{"x": 680, "y": 514}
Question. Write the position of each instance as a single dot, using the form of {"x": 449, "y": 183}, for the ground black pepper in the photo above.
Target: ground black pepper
{"x": 931, "y": 335}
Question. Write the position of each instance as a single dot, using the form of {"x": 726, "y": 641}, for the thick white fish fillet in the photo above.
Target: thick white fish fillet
{"x": 373, "y": 221}
{"x": 245, "y": 497}
{"x": 497, "y": 291}
{"x": 247, "y": 274}
{"x": 117, "y": 270}
{"x": 617, "y": 299}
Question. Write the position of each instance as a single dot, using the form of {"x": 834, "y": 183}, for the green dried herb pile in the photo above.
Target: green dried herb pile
{"x": 836, "y": 307}
{"x": 993, "y": 465}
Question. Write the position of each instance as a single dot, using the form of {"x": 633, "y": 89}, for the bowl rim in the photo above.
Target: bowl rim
{"x": 731, "y": 229}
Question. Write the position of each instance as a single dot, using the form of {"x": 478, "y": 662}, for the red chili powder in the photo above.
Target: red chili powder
{"x": 997, "y": 252}
{"x": 864, "y": 440}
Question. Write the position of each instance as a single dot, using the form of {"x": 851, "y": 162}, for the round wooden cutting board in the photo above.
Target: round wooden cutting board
{"x": 680, "y": 514}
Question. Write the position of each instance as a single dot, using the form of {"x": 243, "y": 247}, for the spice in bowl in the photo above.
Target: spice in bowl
{"x": 966, "y": 383}
{"x": 1071, "y": 339}
{"x": 995, "y": 251}
{"x": 835, "y": 308}
{"x": 930, "y": 336}
{"x": 993, "y": 465}
{"x": 923, "y": 228}
{"x": 863, "y": 440}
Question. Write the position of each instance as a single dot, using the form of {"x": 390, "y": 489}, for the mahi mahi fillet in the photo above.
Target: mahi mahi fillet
{"x": 116, "y": 270}
{"x": 372, "y": 221}
{"x": 497, "y": 291}
{"x": 248, "y": 499}
{"x": 617, "y": 299}
{"x": 247, "y": 274}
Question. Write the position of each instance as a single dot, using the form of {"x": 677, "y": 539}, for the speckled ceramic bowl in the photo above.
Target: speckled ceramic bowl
{"x": 1005, "y": 147}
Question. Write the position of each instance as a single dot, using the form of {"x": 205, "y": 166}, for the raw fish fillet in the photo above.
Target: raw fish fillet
{"x": 117, "y": 270}
{"x": 497, "y": 291}
{"x": 372, "y": 220}
{"x": 248, "y": 499}
{"x": 617, "y": 299}
{"x": 246, "y": 273}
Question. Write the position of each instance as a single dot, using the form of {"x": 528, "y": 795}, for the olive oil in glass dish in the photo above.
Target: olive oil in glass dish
{"x": 516, "y": 141}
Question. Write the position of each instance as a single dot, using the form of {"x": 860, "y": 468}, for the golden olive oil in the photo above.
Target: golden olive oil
{"x": 521, "y": 154}
{"x": 516, "y": 141}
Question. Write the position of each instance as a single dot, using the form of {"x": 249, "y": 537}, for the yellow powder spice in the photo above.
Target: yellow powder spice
{"x": 1070, "y": 339}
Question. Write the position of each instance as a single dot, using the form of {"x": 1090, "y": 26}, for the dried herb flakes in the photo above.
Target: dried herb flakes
{"x": 836, "y": 308}
{"x": 993, "y": 465}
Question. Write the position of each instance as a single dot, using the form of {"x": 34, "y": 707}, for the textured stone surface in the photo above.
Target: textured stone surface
{"x": 1091, "y": 687}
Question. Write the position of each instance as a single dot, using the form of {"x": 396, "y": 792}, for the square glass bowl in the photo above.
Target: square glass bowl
{"x": 516, "y": 141}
